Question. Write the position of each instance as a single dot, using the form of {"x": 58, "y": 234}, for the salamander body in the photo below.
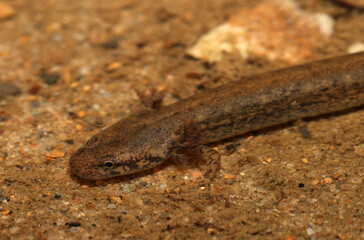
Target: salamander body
{"x": 146, "y": 139}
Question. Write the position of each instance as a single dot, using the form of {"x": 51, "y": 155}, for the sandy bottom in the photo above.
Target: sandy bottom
{"x": 76, "y": 63}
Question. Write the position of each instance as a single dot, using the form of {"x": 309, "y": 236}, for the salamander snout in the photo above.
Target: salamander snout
{"x": 84, "y": 165}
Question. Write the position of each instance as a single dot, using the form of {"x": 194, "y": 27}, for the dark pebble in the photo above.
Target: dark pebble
{"x": 111, "y": 43}
{"x": 99, "y": 122}
{"x": 164, "y": 215}
{"x": 230, "y": 149}
{"x": 301, "y": 185}
{"x": 164, "y": 15}
{"x": 35, "y": 104}
{"x": 72, "y": 115}
{"x": 57, "y": 196}
{"x": 305, "y": 133}
{"x": 50, "y": 78}
{"x": 8, "y": 89}
{"x": 70, "y": 141}
{"x": 146, "y": 201}
{"x": 143, "y": 184}
{"x": 141, "y": 44}
{"x": 193, "y": 75}
{"x": 95, "y": 121}
{"x": 3, "y": 118}
{"x": 44, "y": 134}
{"x": 73, "y": 224}
{"x": 34, "y": 89}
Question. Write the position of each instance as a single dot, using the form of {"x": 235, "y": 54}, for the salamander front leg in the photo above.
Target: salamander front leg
{"x": 211, "y": 156}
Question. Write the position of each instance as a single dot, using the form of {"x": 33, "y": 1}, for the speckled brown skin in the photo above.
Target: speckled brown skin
{"x": 147, "y": 138}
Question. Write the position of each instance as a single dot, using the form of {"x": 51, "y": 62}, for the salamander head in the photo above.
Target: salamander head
{"x": 106, "y": 155}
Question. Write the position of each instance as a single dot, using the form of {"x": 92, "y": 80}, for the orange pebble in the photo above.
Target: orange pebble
{"x": 55, "y": 154}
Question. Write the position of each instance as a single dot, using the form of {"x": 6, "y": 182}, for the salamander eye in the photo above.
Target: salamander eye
{"x": 109, "y": 164}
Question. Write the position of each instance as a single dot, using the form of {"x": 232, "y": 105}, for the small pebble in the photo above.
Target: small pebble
{"x": 193, "y": 75}
{"x": 211, "y": 231}
{"x": 50, "y": 78}
{"x": 111, "y": 43}
{"x": 70, "y": 141}
{"x": 57, "y": 38}
{"x": 310, "y": 231}
{"x": 99, "y": 122}
{"x": 328, "y": 180}
{"x": 143, "y": 184}
{"x": 356, "y": 47}
{"x": 87, "y": 88}
{"x": 127, "y": 188}
{"x": 95, "y": 121}
{"x": 81, "y": 114}
{"x": 96, "y": 107}
{"x": 55, "y": 154}
{"x": 85, "y": 70}
{"x": 315, "y": 182}
{"x": 74, "y": 229}
{"x": 14, "y": 230}
{"x": 8, "y": 89}
{"x": 66, "y": 75}
{"x": 164, "y": 215}
{"x": 6, "y": 11}
{"x": 320, "y": 221}
{"x": 359, "y": 150}
{"x": 73, "y": 224}
{"x": 146, "y": 201}
{"x": 229, "y": 176}
{"x": 116, "y": 199}
{"x": 34, "y": 89}
{"x": 230, "y": 148}
{"x": 332, "y": 188}
{"x": 305, "y": 133}
{"x": 35, "y": 104}
{"x": 107, "y": 94}
{"x": 6, "y": 212}
{"x": 113, "y": 66}
{"x": 111, "y": 206}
